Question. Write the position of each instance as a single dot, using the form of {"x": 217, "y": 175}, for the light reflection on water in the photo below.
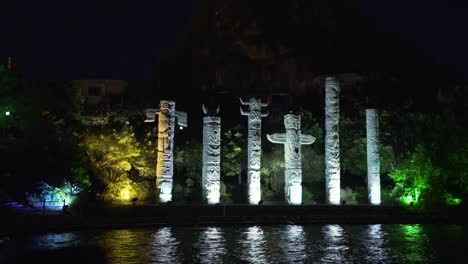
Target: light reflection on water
{"x": 211, "y": 246}
{"x": 295, "y": 244}
{"x": 261, "y": 244}
{"x": 253, "y": 245}
{"x": 376, "y": 251}
{"x": 164, "y": 246}
{"x": 54, "y": 241}
{"x": 334, "y": 242}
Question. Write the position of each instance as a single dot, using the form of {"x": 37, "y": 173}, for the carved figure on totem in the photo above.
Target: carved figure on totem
{"x": 211, "y": 156}
{"x": 254, "y": 146}
{"x": 292, "y": 141}
{"x": 165, "y": 159}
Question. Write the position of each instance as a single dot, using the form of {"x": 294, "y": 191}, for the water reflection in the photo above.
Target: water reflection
{"x": 253, "y": 245}
{"x": 125, "y": 246}
{"x": 415, "y": 244}
{"x": 335, "y": 248}
{"x": 164, "y": 247}
{"x": 296, "y": 244}
{"x": 375, "y": 244}
{"x": 211, "y": 245}
{"x": 248, "y": 244}
{"x": 53, "y": 241}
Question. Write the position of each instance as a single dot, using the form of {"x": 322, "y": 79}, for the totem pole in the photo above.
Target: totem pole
{"x": 165, "y": 163}
{"x": 332, "y": 140}
{"x": 292, "y": 141}
{"x": 254, "y": 147}
{"x": 373, "y": 161}
{"x": 211, "y": 156}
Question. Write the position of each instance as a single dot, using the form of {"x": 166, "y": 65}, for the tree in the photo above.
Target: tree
{"x": 416, "y": 178}
{"x": 188, "y": 171}
{"x": 119, "y": 163}
{"x": 233, "y": 153}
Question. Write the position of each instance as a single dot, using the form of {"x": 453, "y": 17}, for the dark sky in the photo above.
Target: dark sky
{"x": 125, "y": 39}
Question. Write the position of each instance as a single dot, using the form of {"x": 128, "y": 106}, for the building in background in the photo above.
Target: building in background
{"x": 93, "y": 92}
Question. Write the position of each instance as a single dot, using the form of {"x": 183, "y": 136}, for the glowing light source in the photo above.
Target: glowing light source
{"x": 295, "y": 194}
{"x": 165, "y": 194}
{"x": 125, "y": 194}
{"x": 7, "y": 113}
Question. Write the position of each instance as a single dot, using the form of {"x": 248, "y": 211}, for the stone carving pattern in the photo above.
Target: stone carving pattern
{"x": 332, "y": 142}
{"x": 211, "y": 159}
{"x": 292, "y": 140}
{"x": 165, "y": 166}
{"x": 373, "y": 160}
{"x": 254, "y": 148}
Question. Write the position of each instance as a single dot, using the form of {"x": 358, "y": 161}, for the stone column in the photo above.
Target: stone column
{"x": 211, "y": 158}
{"x": 373, "y": 160}
{"x": 292, "y": 140}
{"x": 332, "y": 140}
{"x": 254, "y": 147}
{"x": 165, "y": 160}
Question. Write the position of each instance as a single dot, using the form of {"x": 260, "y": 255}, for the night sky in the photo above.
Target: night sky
{"x": 125, "y": 39}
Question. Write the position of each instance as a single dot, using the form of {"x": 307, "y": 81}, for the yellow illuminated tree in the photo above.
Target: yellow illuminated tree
{"x": 121, "y": 164}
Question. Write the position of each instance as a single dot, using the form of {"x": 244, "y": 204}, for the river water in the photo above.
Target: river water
{"x": 246, "y": 244}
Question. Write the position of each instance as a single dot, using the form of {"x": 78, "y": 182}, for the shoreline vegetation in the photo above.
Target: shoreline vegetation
{"x": 147, "y": 216}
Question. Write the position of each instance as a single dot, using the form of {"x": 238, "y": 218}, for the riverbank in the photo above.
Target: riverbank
{"x": 128, "y": 216}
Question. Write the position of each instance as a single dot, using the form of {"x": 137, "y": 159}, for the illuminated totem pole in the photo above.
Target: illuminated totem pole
{"x": 254, "y": 146}
{"x": 292, "y": 141}
{"x": 332, "y": 140}
{"x": 211, "y": 156}
{"x": 165, "y": 163}
{"x": 373, "y": 161}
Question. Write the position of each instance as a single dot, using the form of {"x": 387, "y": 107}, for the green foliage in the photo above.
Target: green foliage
{"x": 233, "y": 152}
{"x": 80, "y": 176}
{"x": 348, "y": 195}
{"x": 188, "y": 171}
{"x": 54, "y": 196}
{"x": 313, "y": 160}
{"x": 415, "y": 178}
{"x": 272, "y": 171}
{"x": 307, "y": 195}
{"x": 121, "y": 164}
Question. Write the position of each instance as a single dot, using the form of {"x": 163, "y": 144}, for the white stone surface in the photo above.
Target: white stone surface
{"x": 292, "y": 140}
{"x": 373, "y": 159}
{"x": 165, "y": 160}
{"x": 211, "y": 159}
{"x": 254, "y": 147}
{"x": 332, "y": 141}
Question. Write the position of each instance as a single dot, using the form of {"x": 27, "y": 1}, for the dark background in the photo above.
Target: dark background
{"x": 65, "y": 40}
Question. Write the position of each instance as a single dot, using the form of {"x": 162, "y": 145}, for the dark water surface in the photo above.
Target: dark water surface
{"x": 246, "y": 244}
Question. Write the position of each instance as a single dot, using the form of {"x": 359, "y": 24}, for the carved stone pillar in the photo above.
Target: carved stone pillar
{"x": 332, "y": 140}
{"x": 373, "y": 160}
{"x": 292, "y": 140}
{"x": 254, "y": 147}
{"x": 165, "y": 160}
{"x": 211, "y": 159}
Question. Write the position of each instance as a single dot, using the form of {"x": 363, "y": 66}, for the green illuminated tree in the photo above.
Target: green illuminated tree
{"x": 415, "y": 178}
